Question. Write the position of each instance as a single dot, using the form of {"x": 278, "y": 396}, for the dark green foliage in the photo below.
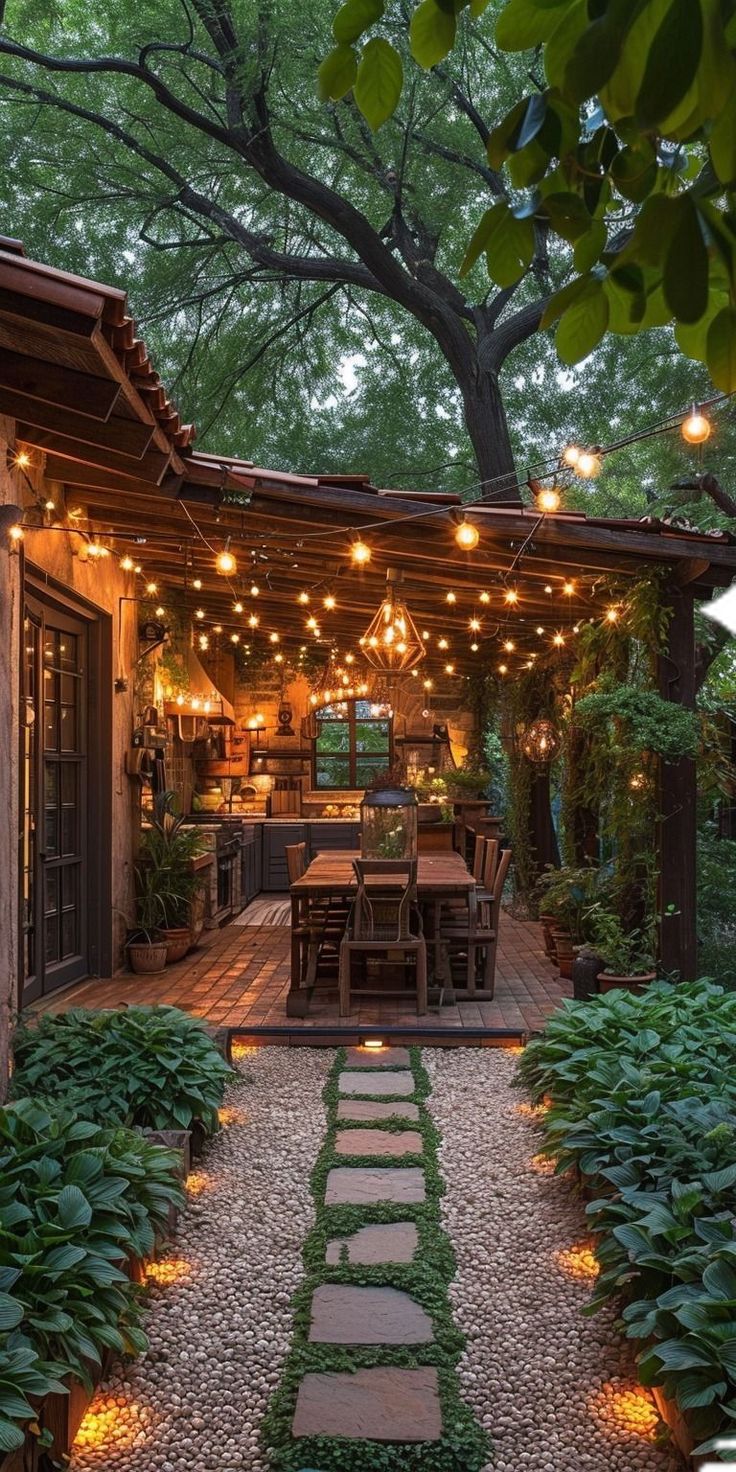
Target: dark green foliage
{"x": 463, "y": 1446}
{"x": 642, "y": 720}
{"x": 643, "y": 1104}
{"x": 76, "y": 1201}
{"x": 165, "y": 880}
{"x": 153, "y": 1067}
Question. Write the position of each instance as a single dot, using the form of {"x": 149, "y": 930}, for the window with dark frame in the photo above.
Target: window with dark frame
{"x": 352, "y": 746}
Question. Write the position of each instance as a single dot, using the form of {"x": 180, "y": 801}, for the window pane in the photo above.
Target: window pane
{"x": 68, "y": 728}
{"x": 68, "y": 655}
{"x": 371, "y": 736}
{"x": 368, "y": 767}
{"x": 334, "y": 737}
{"x": 333, "y": 771}
{"x": 337, "y": 712}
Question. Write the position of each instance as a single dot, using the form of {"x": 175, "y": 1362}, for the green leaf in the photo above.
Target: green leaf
{"x": 431, "y": 33}
{"x": 634, "y": 171}
{"x": 11, "y": 1313}
{"x": 74, "y": 1208}
{"x": 337, "y": 73}
{"x": 722, "y": 142}
{"x": 379, "y": 81}
{"x": 11, "y": 1437}
{"x": 509, "y": 245}
{"x": 582, "y": 325}
{"x": 672, "y": 62}
{"x": 721, "y": 350}
{"x": 522, "y": 25}
{"x": 561, "y": 300}
{"x": 685, "y": 277}
{"x": 720, "y": 1281}
{"x": 354, "y": 17}
{"x": 568, "y": 216}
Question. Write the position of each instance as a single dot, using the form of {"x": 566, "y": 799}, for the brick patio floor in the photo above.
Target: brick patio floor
{"x": 239, "y": 977}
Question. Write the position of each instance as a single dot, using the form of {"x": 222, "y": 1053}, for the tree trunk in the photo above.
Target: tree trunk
{"x": 485, "y": 421}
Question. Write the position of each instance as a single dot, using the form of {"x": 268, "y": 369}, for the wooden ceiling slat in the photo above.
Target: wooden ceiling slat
{"x": 128, "y": 436}
{"x": 51, "y": 384}
{"x": 152, "y": 464}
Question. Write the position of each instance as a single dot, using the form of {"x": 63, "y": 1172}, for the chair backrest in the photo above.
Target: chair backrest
{"x": 387, "y": 889}
{"x": 499, "y": 882}
{"x": 296, "y": 860}
{"x": 490, "y": 864}
{"x": 479, "y": 855}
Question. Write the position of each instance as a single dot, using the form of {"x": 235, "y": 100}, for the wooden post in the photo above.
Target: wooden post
{"x": 678, "y": 795}
{"x": 542, "y": 831}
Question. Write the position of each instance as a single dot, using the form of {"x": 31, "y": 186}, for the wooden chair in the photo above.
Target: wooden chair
{"x": 477, "y": 936}
{"x": 384, "y": 920}
{"x": 320, "y": 927}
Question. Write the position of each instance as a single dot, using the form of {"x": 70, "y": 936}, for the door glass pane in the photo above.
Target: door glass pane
{"x": 68, "y": 728}
{"x": 69, "y": 830}
{"x": 52, "y": 891}
{"x": 68, "y": 645}
{"x": 51, "y": 925}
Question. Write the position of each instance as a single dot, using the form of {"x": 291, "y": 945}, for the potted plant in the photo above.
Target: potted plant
{"x": 167, "y": 884}
{"x": 565, "y": 896}
{"x": 147, "y": 949}
{"x": 467, "y": 784}
{"x": 628, "y": 956}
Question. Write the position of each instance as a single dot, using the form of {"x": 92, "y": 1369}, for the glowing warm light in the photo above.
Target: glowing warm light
{"x": 234, "y": 1116}
{"x": 303, "y": 598}
{"x": 168, "y": 1270}
{"x": 49, "y": 505}
{"x": 96, "y": 549}
{"x": 197, "y": 583}
{"x": 204, "y": 642}
{"x": 254, "y": 590}
{"x": 197, "y": 1183}
{"x": 568, "y": 587}
{"x": 238, "y": 607}
{"x": 637, "y": 781}
{"x": 625, "y": 1409}
{"x": 22, "y": 459}
{"x": 474, "y": 625}
{"x": 474, "y": 648}
{"x": 274, "y": 638}
{"x": 542, "y": 1164}
{"x": 311, "y": 623}
{"x": 246, "y": 1050}
{"x": 373, "y": 1043}
{"x": 350, "y": 659}
{"x": 199, "y": 613}
{"x": 235, "y": 638}
{"x": 160, "y": 611}
{"x": 503, "y": 669}
{"x": 451, "y": 598}
{"x": 449, "y": 669}
{"x": 16, "y": 532}
{"x": 127, "y": 564}
{"x": 110, "y": 1428}
{"x": 509, "y": 646}
{"x": 571, "y": 454}
{"x": 330, "y": 601}
{"x": 588, "y": 464}
{"x": 428, "y": 684}
{"x": 442, "y": 644}
{"x": 511, "y": 596}
{"x": 152, "y": 588}
{"x": 534, "y": 1112}
{"x": 225, "y": 563}
{"x": 697, "y": 428}
{"x": 548, "y": 499}
{"x": 278, "y": 659}
{"x": 485, "y": 597}
{"x": 467, "y": 536}
{"x": 613, "y": 615}
{"x": 558, "y": 640}
{"x": 578, "y": 1262}
{"x": 540, "y": 629}
{"x": 548, "y": 587}
{"x": 360, "y": 553}
{"x": 253, "y": 621}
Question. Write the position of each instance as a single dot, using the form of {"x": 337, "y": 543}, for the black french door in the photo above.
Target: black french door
{"x": 54, "y": 867}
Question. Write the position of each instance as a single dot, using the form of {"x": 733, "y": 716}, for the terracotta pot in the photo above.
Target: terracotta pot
{"x": 177, "y": 943}
{"x": 147, "y": 959}
{"x": 564, "y": 952}
{"x": 607, "y": 982}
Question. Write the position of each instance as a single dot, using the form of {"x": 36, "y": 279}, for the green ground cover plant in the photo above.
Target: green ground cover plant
{"x": 463, "y": 1446}
{"x": 76, "y": 1202}
{"x": 149, "y": 1067}
{"x": 642, "y": 1106}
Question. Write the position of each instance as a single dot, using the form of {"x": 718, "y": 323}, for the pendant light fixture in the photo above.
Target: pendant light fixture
{"x": 391, "y": 641}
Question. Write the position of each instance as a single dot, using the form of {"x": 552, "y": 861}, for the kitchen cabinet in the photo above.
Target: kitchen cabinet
{"x": 276, "y": 838}
{"x": 325, "y": 836}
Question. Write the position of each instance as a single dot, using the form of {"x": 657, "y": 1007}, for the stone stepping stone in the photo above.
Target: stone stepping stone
{"x": 343, "y": 1314}
{"x": 380, "y": 1058}
{"x": 390, "y": 1242}
{"x": 357, "y": 1185}
{"x": 376, "y": 1109}
{"x": 378, "y": 1142}
{"x": 376, "y": 1083}
{"x": 370, "y": 1405}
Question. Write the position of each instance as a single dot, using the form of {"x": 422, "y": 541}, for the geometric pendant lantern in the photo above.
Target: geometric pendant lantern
{"x": 391, "y": 641}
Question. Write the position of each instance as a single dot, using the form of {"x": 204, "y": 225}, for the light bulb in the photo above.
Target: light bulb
{"x": 15, "y": 532}
{"x": 180, "y": 699}
{"x": 558, "y": 640}
{"x": 442, "y": 644}
{"x": 474, "y": 648}
{"x": 237, "y": 607}
{"x": 467, "y": 536}
{"x": 235, "y": 638}
{"x": 204, "y": 642}
{"x": 138, "y": 569}
{"x": 254, "y": 590}
{"x": 588, "y": 464}
{"x": 548, "y": 587}
{"x": 571, "y": 454}
{"x": 425, "y": 633}
{"x": 253, "y": 621}
{"x": 218, "y": 628}
{"x": 22, "y": 459}
{"x": 199, "y": 613}
{"x": 540, "y": 629}
{"x": 451, "y": 598}
{"x": 225, "y": 563}
{"x": 503, "y": 669}
{"x": 303, "y": 598}
{"x": 160, "y": 611}
{"x": 350, "y": 659}
{"x": 427, "y": 684}
{"x": 696, "y": 429}
{"x": 449, "y": 669}
{"x": 485, "y": 597}
{"x": 511, "y": 596}
{"x": 509, "y": 646}
{"x": 274, "y": 638}
{"x": 197, "y": 583}
{"x": 360, "y": 553}
{"x": 612, "y": 615}
{"x": 49, "y": 505}
{"x": 278, "y": 658}
{"x": 474, "y": 625}
{"x": 330, "y": 601}
{"x": 127, "y": 564}
{"x": 152, "y": 588}
{"x": 568, "y": 588}
{"x": 548, "y": 499}
{"x": 311, "y": 623}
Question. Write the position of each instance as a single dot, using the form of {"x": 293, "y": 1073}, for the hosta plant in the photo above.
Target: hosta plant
{"x": 152, "y": 1067}
{"x": 23, "y": 1374}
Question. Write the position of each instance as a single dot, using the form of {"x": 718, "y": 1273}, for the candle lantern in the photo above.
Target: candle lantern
{"x": 388, "y": 824}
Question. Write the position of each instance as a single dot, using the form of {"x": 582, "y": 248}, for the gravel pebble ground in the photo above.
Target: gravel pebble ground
{"x": 556, "y": 1391}
{"x": 220, "y": 1323}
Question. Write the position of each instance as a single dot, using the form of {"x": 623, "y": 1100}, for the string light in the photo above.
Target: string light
{"x": 474, "y": 625}
{"x": 509, "y": 646}
{"x": 511, "y": 596}
{"x": 442, "y": 644}
{"x": 96, "y": 550}
{"x": 274, "y": 638}
{"x": 199, "y": 613}
{"x": 570, "y": 455}
{"x": 15, "y": 532}
{"x": 152, "y": 588}
{"x": 253, "y": 621}
{"x": 612, "y": 615}
{"x": 449, "y": 669}
{"x": 197, "y": 583}
{"x": 225, "y": 563}
{"x": 311, "y": 623}
{"x": 540, "y": 629}
{"x": 254, "y": 590}
{"x": 49, "y": 505}
{"x": 474, "y": 648}
{"x": 696, "y": 428}
{"x": 568, "y": 588}
{"x": 548, "y": 499}
{"x": 303, "y": 598}
{"x": 238, "y": 607}
{"x": 278, "y": 658}
{"x": 127, "y": 563}
{"x": 235, "y": 638}
{"x": 160, "y": 611}
{"x": 428, "y": 684}
{"x": 330, "y": 601}
{"x": 360, "y": 553}
{"x": 467, "y": 536}
{"x": 204, "y": 642}
{"x": 558, "y": 640}
{"x": 588, "y": 464}
{"x": 22, "y": 459}
{"x": 548, "y": 587}
{"x": 503, "y": 669}
{"x": 485, "y": 597}
{"x": 451, "y": 598}
{"x": 217, "y": 629}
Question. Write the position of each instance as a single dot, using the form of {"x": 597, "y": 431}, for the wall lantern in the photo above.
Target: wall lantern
{"x": 540, "y": 742}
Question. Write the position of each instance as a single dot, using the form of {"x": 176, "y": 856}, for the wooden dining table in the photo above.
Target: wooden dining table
{"x": 331, "y": 877}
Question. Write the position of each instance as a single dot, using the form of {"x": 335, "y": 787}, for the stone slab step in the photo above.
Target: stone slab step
{"x": 370, "y": 1405}
{"x": 378, "y": 1142}
{"x": 389, "y": 1242}
{"x": 378, "y": 1058}
{"x": 376, "y": 1109}
{"x": 343, "y": 1314}
{"x": 357, "y": 1185}
{"x": 376, "y": 1083}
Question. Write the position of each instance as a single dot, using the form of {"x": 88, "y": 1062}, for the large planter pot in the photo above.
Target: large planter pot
{"x": 585, "y": 972}
{"x": 547, "y": 923}
{"x": 177, "y": 943}
{"x": 147, "y": 958}
{"x": 607, "y": 982}
{"x": 564, "y": 951}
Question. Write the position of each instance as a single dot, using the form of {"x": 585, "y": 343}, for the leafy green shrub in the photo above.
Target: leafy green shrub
{"x": 22, "y": 1374}
{"x": 642, "y": 1096}
{"x": 153, "y": 1067}
{"x": 76, "y": 1201}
